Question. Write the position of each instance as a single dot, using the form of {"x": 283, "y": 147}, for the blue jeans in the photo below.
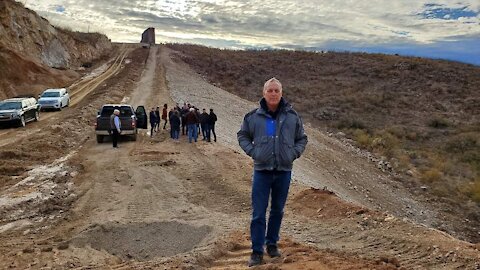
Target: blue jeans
{"x": 175, "y": 133}
{"x": 192, "y": 132}
{"x": 265, "y": 182}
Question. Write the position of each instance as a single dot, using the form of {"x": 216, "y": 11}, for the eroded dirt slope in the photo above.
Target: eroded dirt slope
{"x": 35, "y": 55}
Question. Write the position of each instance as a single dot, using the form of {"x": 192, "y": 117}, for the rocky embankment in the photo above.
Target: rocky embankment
{"x": 32, "y": 51}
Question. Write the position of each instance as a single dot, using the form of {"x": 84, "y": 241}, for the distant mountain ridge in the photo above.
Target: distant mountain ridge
{"x": 34, "y": 54}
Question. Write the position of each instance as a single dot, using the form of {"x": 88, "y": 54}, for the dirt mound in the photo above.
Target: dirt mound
{"x": 20, "y": 75}
{"x": 323, "y": 204}
{"x": 233, "y": 253}
{"x": 143, "y": 241}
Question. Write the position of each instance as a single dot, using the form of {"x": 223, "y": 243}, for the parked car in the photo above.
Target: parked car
{"x": 19, "y": 110}
{"x": 131, "y": 120}
{"x": 54, "y": 99}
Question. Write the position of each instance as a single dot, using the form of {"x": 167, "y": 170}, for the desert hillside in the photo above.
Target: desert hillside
{"x": 35, "y": 55}
{"x": 419, "y": 115}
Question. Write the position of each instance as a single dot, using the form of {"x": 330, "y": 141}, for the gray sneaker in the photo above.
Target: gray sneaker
{"x": 255, "y": 259}
{"x": 272, "y": 251}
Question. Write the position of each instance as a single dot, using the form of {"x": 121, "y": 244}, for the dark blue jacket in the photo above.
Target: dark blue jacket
{"x": 273, "y": 143}
{"x": 174, "y": 121}
{"x": 153, "y": 117}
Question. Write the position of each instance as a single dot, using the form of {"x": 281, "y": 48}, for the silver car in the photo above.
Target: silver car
{"x": 54, "y": 99}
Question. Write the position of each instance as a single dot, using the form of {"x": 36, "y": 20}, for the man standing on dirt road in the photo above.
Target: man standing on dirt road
{"x": 204, "y": 125}
{"x": 164, "y": 115}
{"x": 115, "y": 127}
{"x": 191, "y": 120}
{"x": 274, "y": 137}
{"x": 153, "y": 121}
{"x": 211, "y": 124}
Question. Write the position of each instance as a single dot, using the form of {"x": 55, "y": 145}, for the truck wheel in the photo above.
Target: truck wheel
{"x": 37, "y": 116}
{"x": 22, "y": 121}
{"x": 68, "y": 103}
{"x": 99, "y": 138}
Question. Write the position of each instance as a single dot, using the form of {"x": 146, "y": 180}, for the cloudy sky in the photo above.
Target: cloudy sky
{"x": 436, "y": 29}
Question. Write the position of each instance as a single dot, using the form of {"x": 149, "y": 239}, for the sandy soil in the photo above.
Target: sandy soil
{"x": 156, "y": 204}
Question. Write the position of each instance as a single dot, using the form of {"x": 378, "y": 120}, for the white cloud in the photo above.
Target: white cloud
{"x": 261, "y": 22}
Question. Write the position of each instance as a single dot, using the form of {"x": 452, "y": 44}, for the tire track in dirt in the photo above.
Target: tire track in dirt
{"x": 83, "y": 88}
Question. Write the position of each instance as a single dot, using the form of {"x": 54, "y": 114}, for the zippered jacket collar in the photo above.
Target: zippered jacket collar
{"x": 283, "y": 105}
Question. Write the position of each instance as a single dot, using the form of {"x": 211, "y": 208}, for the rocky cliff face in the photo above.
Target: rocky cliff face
{"x": 27, "y": 37}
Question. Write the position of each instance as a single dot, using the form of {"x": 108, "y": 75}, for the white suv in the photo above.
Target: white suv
{"x": 54, "y": 99}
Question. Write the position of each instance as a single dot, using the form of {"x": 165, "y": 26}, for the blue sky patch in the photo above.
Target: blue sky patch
{"x": 60, "y": 9}
{"x": 434, "y": 11}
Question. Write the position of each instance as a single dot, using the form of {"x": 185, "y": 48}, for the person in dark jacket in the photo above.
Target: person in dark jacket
{"x": 164, "y": 115}
{"x": 274, "y": 137}
{"x": 197, "y": 111}
{"x": 191, "y": 119}
{"x": 205, "y": 125}
{"x": 175, "y": 124}
{"x": 211, "y": 124}
{"x": 157, "y": 118}
{"x": 153, "y": 121}
{"x": 172, "y": 110}
{"x": 183, "y": 113}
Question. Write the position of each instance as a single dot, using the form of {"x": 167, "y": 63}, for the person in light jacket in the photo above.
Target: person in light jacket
{"x": 273, "y": 135}
{"x": 115, "y": 127}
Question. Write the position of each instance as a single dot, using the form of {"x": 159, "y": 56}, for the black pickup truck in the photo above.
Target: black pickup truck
{"x": 131, "y": 120}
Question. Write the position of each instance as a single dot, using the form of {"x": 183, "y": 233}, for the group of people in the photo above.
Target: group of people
{"x": 187, "y": 118}
{"x": 155, "y": 119}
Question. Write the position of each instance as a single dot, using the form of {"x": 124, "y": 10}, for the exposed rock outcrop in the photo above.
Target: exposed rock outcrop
{"x": 32, "y": 50}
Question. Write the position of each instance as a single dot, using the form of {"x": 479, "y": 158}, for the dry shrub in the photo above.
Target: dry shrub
{"x": 431, "y": 175}
{"x": 462, "y": 143}
{"x": 386, "y": 143}
{"x": 438, "y": 122}
{"x": 412, "y": 136}
{"x": 475, "y": 191}
{"x": 363, "y": 139}
{"x": 351, "y": 123}
{"x": 404, "y": 160}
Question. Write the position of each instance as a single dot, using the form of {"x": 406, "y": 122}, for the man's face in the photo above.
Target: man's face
{"x": 272, "y": 94}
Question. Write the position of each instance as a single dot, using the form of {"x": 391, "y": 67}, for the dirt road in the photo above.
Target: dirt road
{"x": 78, "y": 91}
{"x": 156, "y": 204}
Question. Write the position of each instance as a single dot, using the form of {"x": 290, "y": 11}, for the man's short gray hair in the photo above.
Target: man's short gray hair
{"x": 116, "y": 111}
{"x": 272, "y": 80}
